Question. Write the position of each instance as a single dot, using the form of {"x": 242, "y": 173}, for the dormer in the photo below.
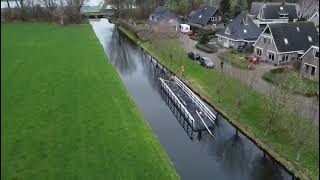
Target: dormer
{"x": 227, "y": 31}
{"x": 245, "y": 20}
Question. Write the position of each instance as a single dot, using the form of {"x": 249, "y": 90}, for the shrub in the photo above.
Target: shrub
{"x": 278, "y": 75}
{"x": 204, "y": 39}
{"x": 208, "y": 48}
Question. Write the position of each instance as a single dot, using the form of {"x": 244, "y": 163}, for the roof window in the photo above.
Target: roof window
{"x": 281, "y": 8}
{"x": 310, "y": 38}
{"x": 286, "y": 41}
{"x": 245, "y": 31}
{"x": 298, "y": 29}
{"x": 200, "y": 16}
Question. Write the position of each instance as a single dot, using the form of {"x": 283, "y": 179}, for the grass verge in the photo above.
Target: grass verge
{"x": 278, "y": 143}
{"x": 65, "y": 113}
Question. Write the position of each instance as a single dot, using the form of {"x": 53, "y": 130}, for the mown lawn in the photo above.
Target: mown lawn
{"x": 252, "y": 111}
{"x": 292, "y": 81}
{"x": 65, "y": 113}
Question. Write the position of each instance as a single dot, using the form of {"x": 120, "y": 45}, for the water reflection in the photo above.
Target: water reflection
{"x": 227, "y": 157}
{"x": 119, "y": 54}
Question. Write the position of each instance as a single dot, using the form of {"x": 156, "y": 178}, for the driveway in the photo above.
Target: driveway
{"x": 253, "y": 78}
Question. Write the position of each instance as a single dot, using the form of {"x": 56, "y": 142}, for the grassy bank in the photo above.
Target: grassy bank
{"x": 292, "y": 81}
{"x": 279, "y": 143}
{"x": 65, "y": 113}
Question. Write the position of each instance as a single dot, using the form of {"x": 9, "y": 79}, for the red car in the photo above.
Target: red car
{"x": 190, "y": 33}
{"x": 253, "y": 59}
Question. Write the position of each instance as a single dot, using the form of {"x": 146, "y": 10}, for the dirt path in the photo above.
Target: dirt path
{"x": 259, "y": 84}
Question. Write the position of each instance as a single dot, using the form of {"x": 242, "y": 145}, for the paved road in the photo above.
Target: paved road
{"x": 309, "y": 109}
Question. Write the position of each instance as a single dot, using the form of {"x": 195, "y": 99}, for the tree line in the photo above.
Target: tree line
{"x": 61, "y": 11}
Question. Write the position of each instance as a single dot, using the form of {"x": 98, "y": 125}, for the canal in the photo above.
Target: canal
{"x": 226, "y": 157}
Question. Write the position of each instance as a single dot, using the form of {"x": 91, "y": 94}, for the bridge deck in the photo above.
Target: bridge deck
{"x": 191, "y": 107}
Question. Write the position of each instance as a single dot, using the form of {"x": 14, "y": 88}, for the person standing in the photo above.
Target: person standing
{"x": 221, "y": 65}
{"x": 182, "y": 71}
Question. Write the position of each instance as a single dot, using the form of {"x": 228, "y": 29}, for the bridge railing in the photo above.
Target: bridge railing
{"x": 195, "y": 99}
{"x": 176, "y": 100}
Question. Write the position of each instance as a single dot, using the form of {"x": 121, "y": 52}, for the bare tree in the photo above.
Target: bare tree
{"x": 74, "y": 7}
{"x": 50, "y": 6}
{"x": 241, "y": 90}
{"x": 9, "y": 8}
{"x": 253, "y": 77}
{"x": 307, "y": 7}
{"x": 302, "y": 129}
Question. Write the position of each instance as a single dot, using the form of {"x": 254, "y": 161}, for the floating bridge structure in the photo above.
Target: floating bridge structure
{"x": 194, "y": 115}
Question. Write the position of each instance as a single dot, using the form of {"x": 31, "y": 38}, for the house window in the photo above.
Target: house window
{"x": 316, "y": 53}
{"x": 271, "y": 56}
{"x": 259, "y": 52}
{"x": 266, "y": 40}
{"x": 285, "y": 58}
{"x": 283, "y": 15}
{"x": 213, "y": 19}
{"x": 310, "y": 69}
{"x": 286, "y": 41}
{"x": 219, "y": 38}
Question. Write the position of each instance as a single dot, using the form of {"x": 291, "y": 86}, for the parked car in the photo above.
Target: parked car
{"x": 253, "y": 59}
{"x": 206, "y": 62}
{"x": 190, "y": 33}
{"x": 194, "y": 56}
{"x": 240, "y": 48}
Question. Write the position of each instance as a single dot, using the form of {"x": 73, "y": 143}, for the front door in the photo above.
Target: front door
{"x": 226, "y": 43}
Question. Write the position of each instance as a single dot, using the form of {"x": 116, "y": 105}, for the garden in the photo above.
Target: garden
{"x": 293, "y": 81}
{"x": 236, "y": 59}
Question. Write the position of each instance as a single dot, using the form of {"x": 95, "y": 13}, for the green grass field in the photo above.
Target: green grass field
{"x": 252, "y": 111}
{"x": 65, "y": 113}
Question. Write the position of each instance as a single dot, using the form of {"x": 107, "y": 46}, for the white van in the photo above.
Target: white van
{"x": 184, "y": 28}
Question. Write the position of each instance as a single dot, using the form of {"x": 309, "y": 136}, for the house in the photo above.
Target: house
{"x": 255, "y": 8}
{"x": 285, "y": 42}
{"x": 240, "y": 31}
{"x": 207, "y": 17}
{"x": 315, "y": 19}
{"x": 310, "y": 63}
{"x": 162, "y": 19}
{"x": 271, "y": 13}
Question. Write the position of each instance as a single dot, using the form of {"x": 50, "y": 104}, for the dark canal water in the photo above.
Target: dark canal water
{"x": 227, "y": 157}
